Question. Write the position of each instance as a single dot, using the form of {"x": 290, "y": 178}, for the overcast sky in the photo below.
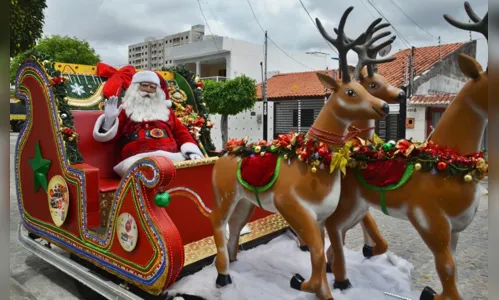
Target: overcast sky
{"x": 111, "y": 25}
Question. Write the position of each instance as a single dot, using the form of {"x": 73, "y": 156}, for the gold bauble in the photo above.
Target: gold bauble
{"x": 262, "y": 153}
{"x": 417, "y": 166}
{"x": 285, "y": 156}
{"x": 316, "y": 163}
{"x": 314, "y": 169}
{"x": 258, "y": 149}
{"x": 300, "y": 158}
{"x": 468, "y": 178}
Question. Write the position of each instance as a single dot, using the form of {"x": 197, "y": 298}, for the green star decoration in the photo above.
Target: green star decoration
{"x": 40, "y": 168}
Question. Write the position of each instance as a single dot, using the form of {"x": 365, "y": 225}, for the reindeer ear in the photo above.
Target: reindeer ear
{"x": 328, "y": 81}
{"x": 351, "y": 70}
{"x": 469, "y": 66}
{"x": 363, "y": 73}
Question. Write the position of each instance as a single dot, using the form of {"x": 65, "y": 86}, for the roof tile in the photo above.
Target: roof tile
{"x": 306, "y": 84}
{"x": 437, "y": 99}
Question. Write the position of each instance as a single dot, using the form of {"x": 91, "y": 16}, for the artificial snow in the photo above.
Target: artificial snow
{"x": 265, "y": 272}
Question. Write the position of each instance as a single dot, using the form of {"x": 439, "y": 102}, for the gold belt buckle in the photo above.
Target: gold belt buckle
{"x": 157, "y": 133}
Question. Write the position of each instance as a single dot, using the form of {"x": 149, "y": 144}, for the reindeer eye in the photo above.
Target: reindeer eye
{"x": 350, "y": 93}
{"x": 373, "y": 85}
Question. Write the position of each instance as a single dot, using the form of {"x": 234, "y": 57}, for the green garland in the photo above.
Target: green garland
{"x": 64, "y": 110}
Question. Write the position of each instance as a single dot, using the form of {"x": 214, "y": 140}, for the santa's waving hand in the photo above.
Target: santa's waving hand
{"x": 111, "y": 112}
{"x": 145, "y": 124}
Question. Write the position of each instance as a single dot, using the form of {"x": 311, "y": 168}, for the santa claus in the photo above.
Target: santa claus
{"x": 145, "y": 124}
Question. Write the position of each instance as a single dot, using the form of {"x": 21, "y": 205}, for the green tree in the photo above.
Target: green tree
{"x": 62, "y": 49}
{"x": 26, "y": 24}
{"x": 229, "y": 98}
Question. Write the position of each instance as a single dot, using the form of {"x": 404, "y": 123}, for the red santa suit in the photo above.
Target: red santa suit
{"x": 139, "y": 139}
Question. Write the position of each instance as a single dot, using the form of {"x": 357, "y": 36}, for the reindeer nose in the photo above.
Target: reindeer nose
{"x": 385, "y": 108}
{"x": 401, "y": 96}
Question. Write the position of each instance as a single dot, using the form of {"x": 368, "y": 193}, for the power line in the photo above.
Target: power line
{"x": 371, "y": 2}
{"x": 209, "y": 7}
{"x": 263, "y": 30}
{"x": 310, "y": 17}
{"x": 415, "y": 23}
{"x": 230, "y": 70}
{"x": 208, "y": 25}
{"x": 367, "y": 8}
{"x": 256, "y": 19}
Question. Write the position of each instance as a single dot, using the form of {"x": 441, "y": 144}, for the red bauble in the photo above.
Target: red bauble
{"x": 322, "y": 151}
{"x": 303, "y": 154}
{"x": 441, "y": 166}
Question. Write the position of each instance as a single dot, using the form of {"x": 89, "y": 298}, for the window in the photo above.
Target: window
{"x": 307, "y": 117}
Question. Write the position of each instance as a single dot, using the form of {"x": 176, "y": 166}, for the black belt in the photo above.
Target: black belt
{"x": 155, "y": 133}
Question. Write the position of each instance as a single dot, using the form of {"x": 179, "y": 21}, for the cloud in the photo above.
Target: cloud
{"x": 111, "y": 25}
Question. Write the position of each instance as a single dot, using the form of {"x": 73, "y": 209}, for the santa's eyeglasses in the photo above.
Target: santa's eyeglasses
{"x": 148, "y": 85}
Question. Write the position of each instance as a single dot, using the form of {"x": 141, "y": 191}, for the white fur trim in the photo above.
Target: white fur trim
{"x": 109, "y": 135}
{"x": 145, "y": 76}
{"x": 190, "y": 148}
{"x": 169, "y": 103}
{"x": 123, "y": 166}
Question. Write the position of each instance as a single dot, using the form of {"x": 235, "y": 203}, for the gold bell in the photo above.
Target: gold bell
{"x": 468, "y": 178}
{"x": 314, "y": 169}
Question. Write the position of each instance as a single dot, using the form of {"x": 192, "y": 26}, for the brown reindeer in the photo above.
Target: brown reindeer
{"x": 379, "y": 87}
{"x": 304, "y": 198}
{"x": 446, "y": 205}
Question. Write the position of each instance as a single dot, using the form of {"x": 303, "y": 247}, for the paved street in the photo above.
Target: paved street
{"x": 32, "y": 278}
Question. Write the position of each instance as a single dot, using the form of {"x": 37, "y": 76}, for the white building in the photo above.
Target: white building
{"x": 220, "y": 57}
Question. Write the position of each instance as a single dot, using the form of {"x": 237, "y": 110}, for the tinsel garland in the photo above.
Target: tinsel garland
{"x": 59, "y": 86}
{"x": 295, "y": 145}
{"x": 426, "y": 156}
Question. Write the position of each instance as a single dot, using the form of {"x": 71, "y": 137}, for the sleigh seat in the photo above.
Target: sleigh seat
{"x": 101, "y": 156}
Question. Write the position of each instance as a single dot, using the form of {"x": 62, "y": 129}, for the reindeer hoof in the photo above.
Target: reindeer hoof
{"x": 304, "y": 248}
{"x": 367, "y": 251}
{"x": 223, "y": 280}
{"x": 296, "y": 282}
{"x": 328, "y": 268}
{"x": 428, "y": 294}
{"x": 342, "y": 285}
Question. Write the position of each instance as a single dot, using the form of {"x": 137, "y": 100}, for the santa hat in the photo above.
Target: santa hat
{"x": 164, "y": 87}
{"x": 145, "y": 76}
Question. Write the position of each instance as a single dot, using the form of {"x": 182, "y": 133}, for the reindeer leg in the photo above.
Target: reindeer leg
{"x": 219, "y": 217}
{"x": 372, "y": 235}
{"x": 336, "y": 257}
{"x": 307, "y": 228}
{"x": 436, "y": 233}
{"x": 240, "y": 217}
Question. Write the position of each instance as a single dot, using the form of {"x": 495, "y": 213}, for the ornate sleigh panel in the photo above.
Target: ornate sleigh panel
{"x": 72, "y": 198}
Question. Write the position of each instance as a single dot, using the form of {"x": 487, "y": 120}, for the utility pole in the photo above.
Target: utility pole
{"x": 265, "y": 103}
{"x": 439, "y": 49}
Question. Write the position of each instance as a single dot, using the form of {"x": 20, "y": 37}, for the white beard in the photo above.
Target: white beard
{"x": 139, "y": 107}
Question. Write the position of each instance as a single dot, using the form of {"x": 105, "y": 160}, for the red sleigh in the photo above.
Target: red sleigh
{"x": 112, "y": 224}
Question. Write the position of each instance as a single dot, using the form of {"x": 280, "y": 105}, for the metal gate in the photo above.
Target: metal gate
{"x": 299, "y": 115}
{"x": 295, "y": 115}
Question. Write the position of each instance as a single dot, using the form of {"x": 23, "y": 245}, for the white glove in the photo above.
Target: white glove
{"x": 111, "y": 112}
{"x": 195, "y": 156}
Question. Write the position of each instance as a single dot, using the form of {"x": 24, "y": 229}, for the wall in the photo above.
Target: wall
{"x": 246, "y": 58}
{"x": 244, "y": 124}
{"x": 446, "y": 76}
{"x": 419, "y": 115}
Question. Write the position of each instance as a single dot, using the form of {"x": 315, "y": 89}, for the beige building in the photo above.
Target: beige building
{"x": 153, "y": 54}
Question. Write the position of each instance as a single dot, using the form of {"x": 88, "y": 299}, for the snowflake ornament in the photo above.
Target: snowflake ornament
{"x": 77, "y": 89}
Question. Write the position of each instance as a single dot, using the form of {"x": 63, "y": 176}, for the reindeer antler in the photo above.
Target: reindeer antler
{"x": 367, "y": 52}
{"x": 479, "y": 25}
{"x": 341, "y": 43}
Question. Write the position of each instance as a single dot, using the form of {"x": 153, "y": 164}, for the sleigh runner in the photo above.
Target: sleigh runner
{"x": 146, "y": 229}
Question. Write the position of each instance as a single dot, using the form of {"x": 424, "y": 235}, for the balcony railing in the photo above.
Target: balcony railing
{"x": 215, "y": 78}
